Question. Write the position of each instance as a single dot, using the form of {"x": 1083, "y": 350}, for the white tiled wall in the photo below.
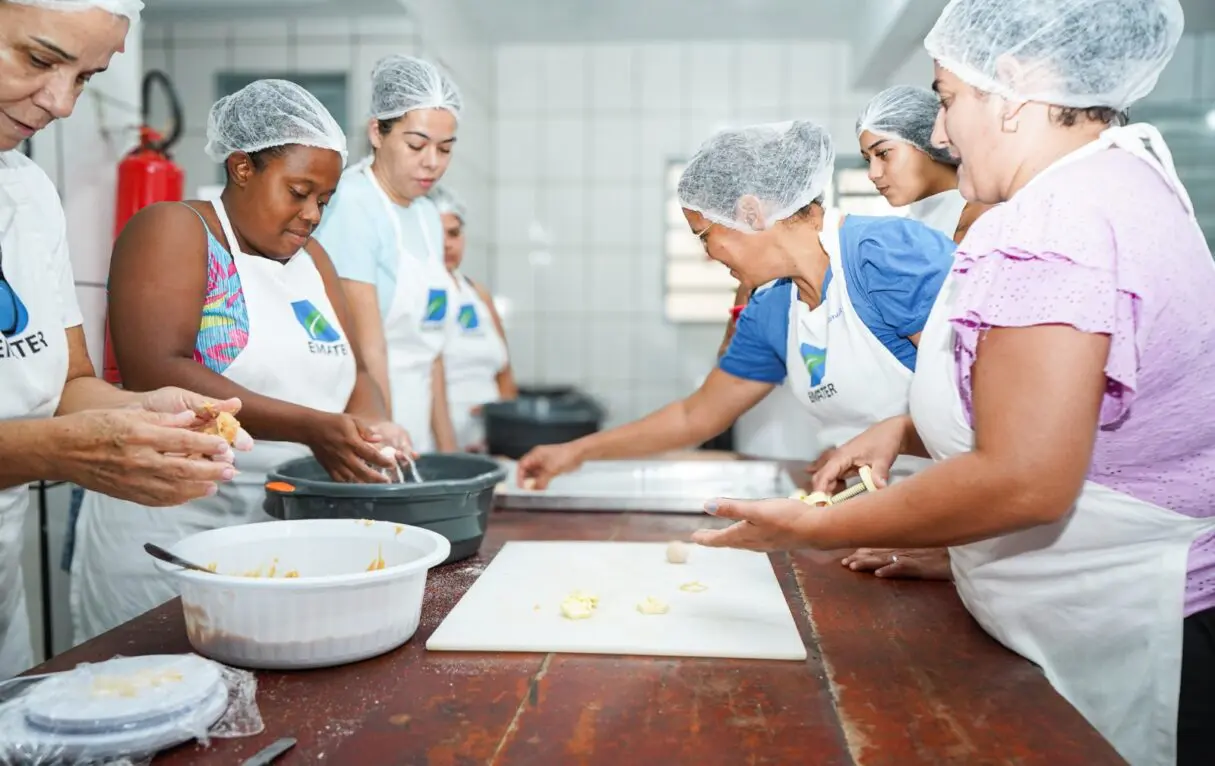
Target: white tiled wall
{"x": 194, "y": 53}
{"x": 583, "y": 136}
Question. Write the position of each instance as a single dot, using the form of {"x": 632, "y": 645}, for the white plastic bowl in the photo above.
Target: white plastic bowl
{"x": 335, "y": 612}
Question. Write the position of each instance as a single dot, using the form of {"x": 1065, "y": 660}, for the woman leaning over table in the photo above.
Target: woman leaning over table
{"x": 475, "y": 360}
{"x": 57, "y": 420}
{"x": 1063, "y": 381}
{"x": 895, "y": 134}
{"x": 840, "y": 325}
{"x": 386, "y": 240}
{"x": 234, "y": 297}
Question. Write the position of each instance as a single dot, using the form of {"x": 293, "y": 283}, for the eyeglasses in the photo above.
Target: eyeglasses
{"x": 703, "y": 236}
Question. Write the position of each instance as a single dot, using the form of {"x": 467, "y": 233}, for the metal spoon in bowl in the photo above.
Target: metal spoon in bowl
{"x": 155, "y": 551}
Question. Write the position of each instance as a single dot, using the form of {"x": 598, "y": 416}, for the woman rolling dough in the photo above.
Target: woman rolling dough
{"x": 839, "y": 326}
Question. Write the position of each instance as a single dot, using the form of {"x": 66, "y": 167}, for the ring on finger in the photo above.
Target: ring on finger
{"x": 894, "y": 559}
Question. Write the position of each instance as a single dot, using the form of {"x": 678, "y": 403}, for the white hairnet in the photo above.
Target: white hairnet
{"x": 785, "y": 165}
{"x": 127, "y": 8}
{"x": 1073, "y": 53}
{"x": 447, "y": 202}
{"x": 401, "y": 84}
{"x": 268, "y": 113}
{"x": 905, "y": 113}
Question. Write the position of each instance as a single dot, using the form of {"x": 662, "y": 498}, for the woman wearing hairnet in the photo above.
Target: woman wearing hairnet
{"x": 475, "y": 360}
{"x": 1064, "y": 378}
{"x": 387, "y": 244}
{"x": 839, "y": 326}
{"x": 57, "y": 420}
{"x": 895, "y": 133}
{"x": 234, "y": 298}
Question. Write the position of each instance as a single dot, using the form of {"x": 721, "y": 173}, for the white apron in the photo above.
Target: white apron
{"x": 33, "y": 367}
{"x": 297, "y": 352}
{"x": 473, "y": 359}
{"x": 417, "y": 326}
{"x": 1097, "y": 599}
{"x": 838, "y": 369}
{"x": 941, "y": 211}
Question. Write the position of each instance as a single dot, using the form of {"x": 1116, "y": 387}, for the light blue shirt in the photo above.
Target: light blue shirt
{"x": 358, "y": 235}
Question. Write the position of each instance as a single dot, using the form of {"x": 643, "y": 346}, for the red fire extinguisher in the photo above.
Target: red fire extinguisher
{"x": 146, "y": 175}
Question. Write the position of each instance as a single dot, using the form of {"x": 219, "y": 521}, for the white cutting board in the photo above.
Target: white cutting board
{"x": 515, "y": 605}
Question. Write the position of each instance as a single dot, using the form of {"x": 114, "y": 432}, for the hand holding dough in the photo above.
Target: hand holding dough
{"x": 677, "y": 552}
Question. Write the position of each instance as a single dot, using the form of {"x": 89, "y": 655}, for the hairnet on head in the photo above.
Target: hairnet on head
{"x": 785, "y": 165}
{"x": 1072, "y": 53}
{"x": 401, "y": 84}
{"x": 268, "y": 113}
{"x": 907, "y": 114}
{"x": 127, "y": 8}
{"x": 448, "y": 202}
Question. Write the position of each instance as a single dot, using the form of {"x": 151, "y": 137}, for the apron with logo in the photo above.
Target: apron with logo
{"x": 838, "y": 369}
{"x": 473, "y": 359}
{"x": 1096, "y": 599}
{"x": 417, "y": 326}
{"x": 33, "y": 368}
{"x": 297, "y": 352}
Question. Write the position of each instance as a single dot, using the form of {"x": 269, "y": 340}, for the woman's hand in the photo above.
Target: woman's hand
{"x": 808, "y": 483}
{"x": 766, "y": 525}
{"x": 908, "y": 563}
{"x": 348, "y": 448}
{"x": 543, "y": 464}
{"x": 172, "y": 400}
{"x": 877, "y": 447}
{"x": 140, "y": 456}
{"x": 393, "y": 435}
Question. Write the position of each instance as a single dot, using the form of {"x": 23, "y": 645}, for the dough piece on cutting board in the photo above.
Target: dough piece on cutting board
{"x": 651, "y": 605}
{"x": 693, "y": 587}
{"x": 677, "y": 552}
{"x": 579, "y": 605}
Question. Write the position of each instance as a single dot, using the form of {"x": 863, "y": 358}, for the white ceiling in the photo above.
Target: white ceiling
{"x": 512, "y": 21}
{"x": 630, "y": 20}
{"x": 234, "y": 10}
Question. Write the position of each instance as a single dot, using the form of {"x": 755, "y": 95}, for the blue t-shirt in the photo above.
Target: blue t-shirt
{"x": 894, "y": 268}
{"x": 360, "y": 239}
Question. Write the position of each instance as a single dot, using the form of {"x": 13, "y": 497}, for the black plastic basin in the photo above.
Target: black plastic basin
{"x": 514, "y": 428}
{"x": 454, "y": 499}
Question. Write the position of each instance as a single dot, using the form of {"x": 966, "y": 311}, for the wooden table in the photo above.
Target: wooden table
{"x": 897, "y": 673}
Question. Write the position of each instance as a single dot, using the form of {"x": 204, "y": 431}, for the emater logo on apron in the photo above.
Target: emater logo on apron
{"x": 815, "y": 359}
{"x": 436, "y": 308}
{"x": 14, "y": 319}
{"x": 323, "y": 338}
{"x": 468, "y": 319}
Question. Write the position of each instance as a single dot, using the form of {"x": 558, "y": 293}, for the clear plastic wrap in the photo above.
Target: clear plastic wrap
{"x": 125, "y": 710}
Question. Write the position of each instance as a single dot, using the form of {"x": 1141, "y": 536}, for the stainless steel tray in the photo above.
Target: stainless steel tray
{"x": 661, "y": 486}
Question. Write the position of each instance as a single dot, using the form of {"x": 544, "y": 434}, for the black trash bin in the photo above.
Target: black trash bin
{"x": 540, "y": 416}
{"x": 454, "y": 499}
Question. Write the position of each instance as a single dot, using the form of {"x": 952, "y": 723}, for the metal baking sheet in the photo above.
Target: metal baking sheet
{"x": 659, "y": 486}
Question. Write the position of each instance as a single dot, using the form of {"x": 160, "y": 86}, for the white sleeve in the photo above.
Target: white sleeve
{"x": 68, "y": 304}
{"x": 60, "y": 265}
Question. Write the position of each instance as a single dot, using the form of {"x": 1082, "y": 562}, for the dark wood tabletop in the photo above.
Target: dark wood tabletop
{"x": 897, "y": 673}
